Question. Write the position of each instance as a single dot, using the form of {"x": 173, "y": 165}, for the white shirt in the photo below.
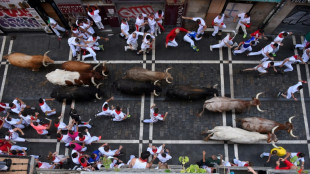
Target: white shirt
{"x": 13, "y": 136}
{"x": 219, "y": 21}
{"x": 71, "y": 41}
{"x": 18, "y": 108}
{"x": 45, "y": 107}
{"x": 132, "y": 41}
{"x": 294, "y": 89}
{"x": 157, "y": 17}
{"x": 45, "y": 165}
{"x": 66, "y": 139}
{"x": 119, "y": 116}
{"x": 108, "y": 111}
{"x": 202, "y": 22}
{"x": 145, "y": 43}
{"x": 266, "y": 64}
{"x": 158, "y": 150}
{"x": 243, "y": 19}
{"x": 92, "y": 41}
{"x": 27, "y": 119}
{"x": 151, "y": 21}
{"x": 52, "y": 21}
{"x": 164, "y": 159}
{"x": 90, "y": 29}
{"x": 227, "y": 38}
{"x": 140, "y": 21}
{"x": 125, "y": 27}
{"x": 96, "y": 17}
{"x": 280, "y": 37}
{"x": 291, "y": 60}
{"x": 13, "y": 121}
{"x": 268, "y": 49}
{"x": 109, "y": 153}
{"x": 75, "y": 160}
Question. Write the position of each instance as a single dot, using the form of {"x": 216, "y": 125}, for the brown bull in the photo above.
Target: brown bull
{"x": 222, "y": 104}
{"x": 83, "y": 67}
{"x": 263, "y": 125}
{"x": 141, "y": 74}
{"x": 26, "y": 61}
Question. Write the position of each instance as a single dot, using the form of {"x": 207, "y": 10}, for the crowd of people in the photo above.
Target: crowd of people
{"x": 84, "y": 40}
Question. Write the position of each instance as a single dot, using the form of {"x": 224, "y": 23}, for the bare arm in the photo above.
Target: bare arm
{"x": 18, "y": 129}
{"x": 149, "y": 165}
{"x": 184, "y": 17}
{"x": 235, "y": 18}
{"x": 49, "y": 99}
{"x": 112, "y": 98}
{"x": 287, "y": 155}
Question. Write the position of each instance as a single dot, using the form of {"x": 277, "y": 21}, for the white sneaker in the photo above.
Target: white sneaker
{"x": 159, "y": 32}
{"x": 96, "y": 61}
{"x": 155, "y": 34}
{"x": 83, "y": 57}
{"x": 235, "y": 44}
{"x": 126, "y": 48}
{"x": 211, "y": 49}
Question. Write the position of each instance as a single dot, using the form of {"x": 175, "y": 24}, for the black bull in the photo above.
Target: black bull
{"x": 190, "y": 93}
{"x": 77, "y": 93}
{"x": 136, "y": 87}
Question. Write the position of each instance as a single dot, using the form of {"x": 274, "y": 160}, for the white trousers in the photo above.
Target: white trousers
{"x": 242, "y": 50}
{"x": 74, "y": 49}
{"x": 152, "y": 27}
{"x": 173, "y": 43}
{"x": 92, "y": 139}
{"x": 303, "y": 45}
{"x": 102, "y": 114}
{"x": 99, "y": 25}
{"x": 265, "y": 154}
{"x": 305, "y": 57}
{"x": 200, "y": 30}
{"x": 258, "y": 53}
{"x": 243, "y": 28}
{"x": 289, "y": 66}
{"x": 51, "y": 113}
{"x": 126, "y": 32}
{"x": 18, "y": 139}
{"x": 222, "y": 44}
{"x": 58, "y": 27}
{"x": 19, "y": 148}
{"x": 157, "y": 28}
{"x": 149, "y": 121}
{"x": 189, "y": 40}
{"x": 92, "y": 53}
{"x": 216, "y": 29}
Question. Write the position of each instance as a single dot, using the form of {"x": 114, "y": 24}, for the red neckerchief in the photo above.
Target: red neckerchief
{"x": 94, "y": 38}
{"x": 296, "y": 57}
{"x": 74, "y": 29}
{"x": 155, "y": 114}
{"x": 151, "y": 18}
{"x": 117, "y": 112}
{"x": 154, "y": 150}
{"x": 246, "y": 165}
{"x": 53, "y": 158}
{"x": 10, "y": 136}
{"x": 280, "y": 35}
{"x": 83, "y": 164}
{"x": 104, "y": 109}
{"x": 159, "y": 15}
{"x": 33, "y": 118}
{"x": 230, "y": 38}
{"x": 298, "y": 154}
{"x": 82, "y": 139}
{"x": 60, "y": 138}
{"x": 39, "y": 164}
{"x": 92, "y": 13}
{"x": 56, "y": 125}
{"x": 41, "y": 104}
{"x": 143, "y": 160}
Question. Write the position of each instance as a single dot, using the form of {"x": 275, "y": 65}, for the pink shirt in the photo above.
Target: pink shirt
{"x": 74, "y": 135}
{"x": 38, "y": 128}
{"x": 77, "y": 147}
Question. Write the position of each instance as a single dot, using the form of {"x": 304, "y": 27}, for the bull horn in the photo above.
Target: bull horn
{"x": 154, "y": 92}
{"x": 93, "y": 81}
{"x": 167, "y": 80}
{"x": 274, "y": 144}
{"x": 273, "y": 129}
{"x": 94, "y": 68}
{"x": 103, "y": 65}
{"x": 99, "y": 98}
{"x": 290, "y": 119}
{"x": 99, "y": 85}
{"x": 258, "y": 108}
{"x": 156, "y": 82}
{"x": 291, "y": 133}
{"x": 167, "y": 69}
{"x": 258, "y": 94}
{"x": 43, "y": 62}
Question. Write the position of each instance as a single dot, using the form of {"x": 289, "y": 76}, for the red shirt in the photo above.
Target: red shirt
{"x": 172, "y": 34}
{"x": 288, "y": 166}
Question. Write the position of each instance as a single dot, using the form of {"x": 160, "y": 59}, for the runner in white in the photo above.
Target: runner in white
{"x": 132, "y": 41}
{"x": 45, "y": 108}
{"x": 155, "y": 116}
{"x": 94, "y": 14}
{"x": 279, "y": 40}
{"x": 288, "y": 62}
{"x": 106, "y": 111}
{"x": 265, "y": 51}
{"x": 218, "y": 23}
{"x": 92, "y": 45}
{"x": 124, "y": 29}
{"x": 140, "y": 22}
{"x": 291, "y": 90}
{"x": 13, "y": 136}
{"x": 148, "y": 40}
{"x": 55, "y": 27}
{"x": 226, "y": 42}
{"x": 261, "y": 68}
{"x": 159, "y": 16}
{"x": 152, "y": 24}
{"x": 243, "y": 22}
{"x": 87, "y": 139}
{"x": 202, "y": 24}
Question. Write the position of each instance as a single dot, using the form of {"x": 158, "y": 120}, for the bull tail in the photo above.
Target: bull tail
{"x": 238, "y": 119}
{"x": 200, "y": 114}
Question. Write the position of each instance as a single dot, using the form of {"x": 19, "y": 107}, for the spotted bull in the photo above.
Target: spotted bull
{"x": 33, "y": 62}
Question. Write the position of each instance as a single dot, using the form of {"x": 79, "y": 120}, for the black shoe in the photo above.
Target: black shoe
{"x": 142, "y": 121}
{"x": 279, "y": 94}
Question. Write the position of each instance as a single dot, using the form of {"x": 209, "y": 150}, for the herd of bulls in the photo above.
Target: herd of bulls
{"x": 80, "y": 81}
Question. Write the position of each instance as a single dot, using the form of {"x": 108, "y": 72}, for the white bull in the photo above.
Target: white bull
{"x": 237, "y": 135}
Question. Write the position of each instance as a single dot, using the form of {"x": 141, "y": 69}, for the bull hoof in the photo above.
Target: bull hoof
{"x": 206, "y": 139}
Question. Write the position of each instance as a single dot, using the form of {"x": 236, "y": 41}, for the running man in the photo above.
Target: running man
{"x": 226, "y": 42}
{"x": 261, "y": 68}
{"x": 190, "y": 37}
{"x": 170, "y": 39}
{"x": 243, "y": 22}
{"x": 291, "y": 90}
{"x": 202, "y": 24}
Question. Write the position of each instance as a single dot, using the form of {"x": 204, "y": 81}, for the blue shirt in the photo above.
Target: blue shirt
{"x": 91, "y": 160}
{"x": 192, "y": 34}
{"x": 246, "y": 44}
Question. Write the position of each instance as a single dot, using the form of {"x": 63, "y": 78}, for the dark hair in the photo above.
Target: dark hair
{"x": 41, "y": 100}
{"x": 11, "y": 104}
{"x": 285, "y": 34}
{"x": 58, "y": 135}
{"x": 124, "y": 20}
{"x": 90, "y": 9}
{"x": 160, "y": 12}
{"x": 74, "y": 155}
{"x": 248, "y": 14}
{"x": 56, "y": 121}
{"x": 274, "y": 152}
{"x": 272, "y": 63}
{"x": 118, "y": 108}
{"x": 145, "y": 155}
{"x": 156, "y": 110}
{"x": 106, "y": 148}
{"x": 253, "y": 42}
{"x": 82, "y": 160}
{"x": 8, "y": 133}
{"x": 9, "y": 118}
{"x": 71, "y": 132}
{"x": 35, "y": 123}
{"x": 14, "y": 152}
{"x": 148, "y": 37}
{"x": 250, "y": 163}
{"x": 106, "y": 106}
{"x": 24, "y": 114}
{"x": 81, "y": 135}
{"x": 198, "y": 20}
{"x": 275, "y": 44}
{"x": 76, "y": 40}
{"x": 93, "y": 156}
{"x": 80, "y": 21}
{"x": 95, "y": 35}
{"x": 72, "y": 146}
{"x": 299, "y": 87}
{"x": 74, "y": 26}
{"x": 163, "y": 155}
{"x": 301, "y": 155}
{"x": 261, "y": 30}
{"x": 73, "y": 111}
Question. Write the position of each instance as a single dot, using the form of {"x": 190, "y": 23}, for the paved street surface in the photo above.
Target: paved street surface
{"x": 182, "y": 128}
